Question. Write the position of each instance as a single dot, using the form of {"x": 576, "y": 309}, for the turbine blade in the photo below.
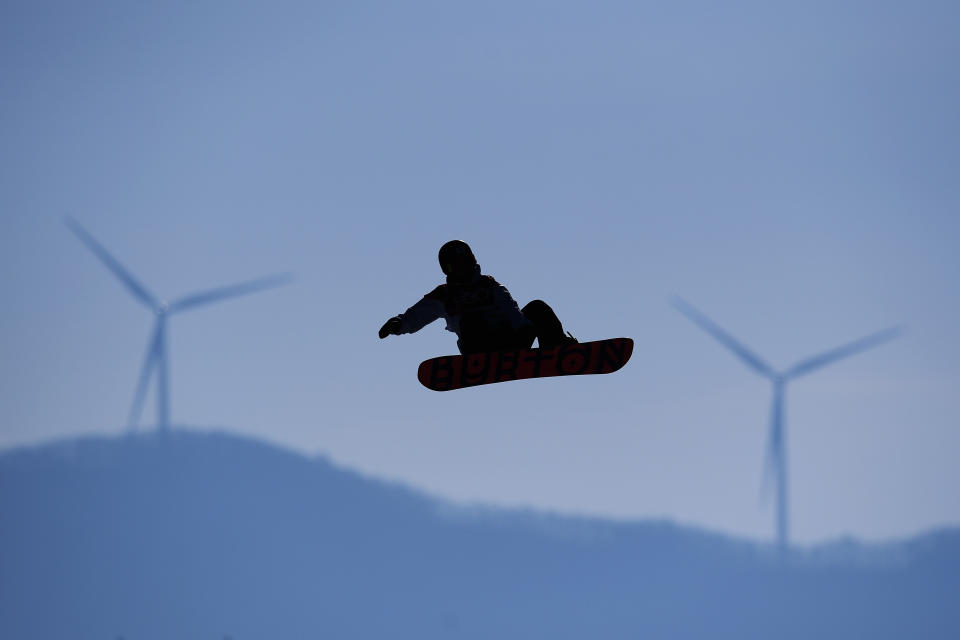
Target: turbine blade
{"x": 812, "y": 364}
{"x": 146, "y": 370}
{"x": 771, "y": 455}
{"x": 766, "y": 480}
{"x": 138, "y": 290}
{"x": 215, "y": 295}
{"x": 742, "y": 352}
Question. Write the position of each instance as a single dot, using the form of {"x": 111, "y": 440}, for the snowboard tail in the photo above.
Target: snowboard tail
{"x": 582, "y": 358}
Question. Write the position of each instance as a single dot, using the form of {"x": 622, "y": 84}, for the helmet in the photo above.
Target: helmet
{"x": 453, "y": 251}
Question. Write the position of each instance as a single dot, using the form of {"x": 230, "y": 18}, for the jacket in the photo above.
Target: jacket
{"x": 476, "y": 307}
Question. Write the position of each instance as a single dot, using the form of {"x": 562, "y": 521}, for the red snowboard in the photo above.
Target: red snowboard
{"x": 455, "y": 372}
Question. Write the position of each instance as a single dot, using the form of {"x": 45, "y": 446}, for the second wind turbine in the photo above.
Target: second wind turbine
{"x": 776, "y": 457}
{"x": 156, "y": 358}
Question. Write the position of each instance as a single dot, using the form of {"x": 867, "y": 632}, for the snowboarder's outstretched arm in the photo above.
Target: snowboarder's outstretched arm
{"x": 413, "y": 319}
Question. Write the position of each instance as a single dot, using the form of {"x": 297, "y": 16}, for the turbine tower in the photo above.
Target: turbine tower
{"x": 776, "y": 453}
{"x": 156, "y": 359}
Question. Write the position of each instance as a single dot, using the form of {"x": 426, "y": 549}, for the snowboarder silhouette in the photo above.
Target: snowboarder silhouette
{"x": 479, "y": 310}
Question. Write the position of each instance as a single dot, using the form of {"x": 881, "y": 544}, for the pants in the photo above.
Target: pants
{"x": 546, "y": 329}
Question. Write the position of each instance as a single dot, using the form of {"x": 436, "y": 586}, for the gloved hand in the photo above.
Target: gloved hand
{"x": 390, "y": 327}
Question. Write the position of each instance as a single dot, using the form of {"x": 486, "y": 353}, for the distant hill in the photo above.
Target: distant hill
{"x": 202, "y": 536}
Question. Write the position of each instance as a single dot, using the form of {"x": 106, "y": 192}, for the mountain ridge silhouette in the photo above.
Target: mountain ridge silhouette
{"x": 209, "y": 534}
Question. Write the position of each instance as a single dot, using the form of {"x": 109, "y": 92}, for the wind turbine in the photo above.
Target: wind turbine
{"x": 156, "y": 358}
{"x": 776, "y": 455}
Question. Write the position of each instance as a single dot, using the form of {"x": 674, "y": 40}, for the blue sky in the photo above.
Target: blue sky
{"x": 790, "y": 168}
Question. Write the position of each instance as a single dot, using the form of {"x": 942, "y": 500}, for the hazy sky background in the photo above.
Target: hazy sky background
{"x": 791, "y": 168}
